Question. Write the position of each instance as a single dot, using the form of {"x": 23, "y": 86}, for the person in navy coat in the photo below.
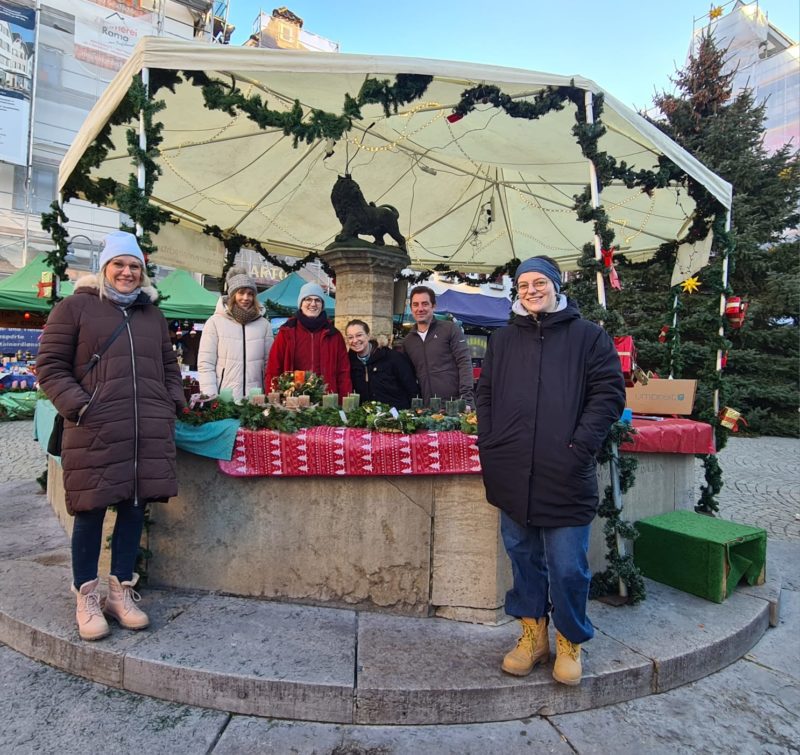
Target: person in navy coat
{"x": 550, "y": 389}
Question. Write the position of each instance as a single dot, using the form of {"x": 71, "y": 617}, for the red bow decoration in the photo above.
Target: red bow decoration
{"x": 662, "y": 334}
{"x": 608, "y": 263}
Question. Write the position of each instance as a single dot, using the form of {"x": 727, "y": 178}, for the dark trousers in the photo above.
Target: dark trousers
{"x": 86, "y": 542}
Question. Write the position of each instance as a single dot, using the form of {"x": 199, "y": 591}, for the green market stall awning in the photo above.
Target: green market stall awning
{"x": 188, "y": 300}
{"x": 285, "y": 294}
{"x": 20, "y": 291}
{"x": 481, "y": 162}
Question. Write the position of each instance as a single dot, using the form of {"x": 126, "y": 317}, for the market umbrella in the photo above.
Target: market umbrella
{"x": 475, "y": 309}
{"x": 472, "y": 192}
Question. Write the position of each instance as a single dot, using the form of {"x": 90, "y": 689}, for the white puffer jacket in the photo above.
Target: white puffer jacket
{"x": 232, "y": 355}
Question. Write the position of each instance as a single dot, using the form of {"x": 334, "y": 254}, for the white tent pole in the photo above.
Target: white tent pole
{"x": 614, "y": 471}
{"x": 595, "y": 189}
{"x": 142, "y": 141}
{"x": 722, "y": 302}
{"x": 674, "y": 326}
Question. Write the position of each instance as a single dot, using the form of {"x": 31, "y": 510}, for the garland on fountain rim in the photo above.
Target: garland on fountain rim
{"x": 620, "y": 568}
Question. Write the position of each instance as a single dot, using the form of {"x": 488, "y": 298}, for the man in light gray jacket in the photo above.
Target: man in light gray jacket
{"x": 438, "y": 350}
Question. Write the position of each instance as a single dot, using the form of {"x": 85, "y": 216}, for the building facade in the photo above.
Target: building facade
{"x": 765, "y": 60}
{"x": 79, "y": 47}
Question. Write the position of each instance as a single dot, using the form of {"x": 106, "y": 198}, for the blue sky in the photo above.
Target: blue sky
{"x": 629, "y": 47}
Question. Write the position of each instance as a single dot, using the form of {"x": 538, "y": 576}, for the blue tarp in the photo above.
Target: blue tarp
{"x": 475, "y": 309}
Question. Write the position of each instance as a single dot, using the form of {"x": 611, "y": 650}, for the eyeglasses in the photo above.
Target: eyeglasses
{"x": 312, "y": 300}
{"x": 121, "y": 266}
{"x": 538, "y": 285}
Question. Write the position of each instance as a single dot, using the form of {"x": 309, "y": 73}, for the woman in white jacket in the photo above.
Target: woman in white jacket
{"x": 236, "y": 340}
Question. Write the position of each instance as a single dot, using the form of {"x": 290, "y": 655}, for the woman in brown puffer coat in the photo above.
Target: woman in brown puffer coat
{"x": 118, "y": 445}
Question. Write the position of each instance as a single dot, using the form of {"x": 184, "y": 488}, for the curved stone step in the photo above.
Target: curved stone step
{"x": 313, "y": 663}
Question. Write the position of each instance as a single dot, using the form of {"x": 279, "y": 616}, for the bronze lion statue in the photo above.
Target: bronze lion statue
{"x": 359, "y": 217}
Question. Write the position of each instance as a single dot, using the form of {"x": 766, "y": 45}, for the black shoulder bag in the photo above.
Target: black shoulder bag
{"x": 54, "y": 444}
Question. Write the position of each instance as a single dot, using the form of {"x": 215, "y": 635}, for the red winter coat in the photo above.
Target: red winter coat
{"x": 325, "y": 353}
{"x": 122, "y": 447}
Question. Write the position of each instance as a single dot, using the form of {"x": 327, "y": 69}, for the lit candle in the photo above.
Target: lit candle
{"x": 226, "y": 394}
{"x": 274, "y": 398}
{"x": 417, "y": 403}
{"x": 435, "y": 404}
{"x": 304, "y": 401}
{"x": 330, "y": 400}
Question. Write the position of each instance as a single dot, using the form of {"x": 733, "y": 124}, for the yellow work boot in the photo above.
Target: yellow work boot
{"x": 567, "y": 668}
{"x": 121, "y": 604}
{"x": 533, "y": 647}
{"x": 91, "y": 622}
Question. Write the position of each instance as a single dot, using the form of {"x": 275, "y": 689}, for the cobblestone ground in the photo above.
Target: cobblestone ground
{"x": 761, "y": 475}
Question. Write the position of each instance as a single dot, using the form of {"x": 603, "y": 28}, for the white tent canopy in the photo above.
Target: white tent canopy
{"x": 472, "y": 194}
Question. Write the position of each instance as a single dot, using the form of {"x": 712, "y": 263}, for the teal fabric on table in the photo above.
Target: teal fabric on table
{"x": 214, "y": 439}
{"x": 43, "y": 422}
{"x": 18, "y": 404}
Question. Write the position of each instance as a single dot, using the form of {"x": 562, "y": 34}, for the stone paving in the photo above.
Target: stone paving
{"x": 752, "y": 706}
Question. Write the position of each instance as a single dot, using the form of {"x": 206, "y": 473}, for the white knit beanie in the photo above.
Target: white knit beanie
{"x": 120, "y": 244}
{"x": 237, "y": 278}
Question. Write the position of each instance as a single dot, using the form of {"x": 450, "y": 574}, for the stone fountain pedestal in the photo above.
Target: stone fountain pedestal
{"x": 365, "y": 282}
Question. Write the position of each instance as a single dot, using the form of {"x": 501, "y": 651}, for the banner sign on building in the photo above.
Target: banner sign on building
{"x": 17, "y": 41}
{"x": 106, "y": 37}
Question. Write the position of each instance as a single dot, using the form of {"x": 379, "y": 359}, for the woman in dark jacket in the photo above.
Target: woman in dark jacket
{"x": 309, "y": 341}
{"x": 377, "y": 372}
{"x": 550, "y": 389}
{"x": 118, "y": 446}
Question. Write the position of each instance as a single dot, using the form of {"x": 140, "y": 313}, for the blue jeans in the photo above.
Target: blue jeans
{"x": 88, "y": 532}
{"x": 551, "y": 574}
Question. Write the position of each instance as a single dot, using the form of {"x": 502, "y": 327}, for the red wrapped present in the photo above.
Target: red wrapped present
{"x": 627, "y": 357}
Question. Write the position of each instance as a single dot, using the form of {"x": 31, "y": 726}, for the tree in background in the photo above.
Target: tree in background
{"x": 760, "y": 378}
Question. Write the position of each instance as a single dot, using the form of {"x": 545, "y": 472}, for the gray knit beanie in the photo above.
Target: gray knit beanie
{"x": 310, "y": 289}
{"x": 238, "y": 278}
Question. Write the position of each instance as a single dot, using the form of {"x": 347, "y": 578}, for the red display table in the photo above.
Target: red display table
{"x": 671, "y": 436}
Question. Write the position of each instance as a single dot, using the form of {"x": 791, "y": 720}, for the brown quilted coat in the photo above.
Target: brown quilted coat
{"x": 122, "y": 447}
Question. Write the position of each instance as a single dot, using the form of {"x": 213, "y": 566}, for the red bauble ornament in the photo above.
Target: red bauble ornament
{"x": 736, "y": 311}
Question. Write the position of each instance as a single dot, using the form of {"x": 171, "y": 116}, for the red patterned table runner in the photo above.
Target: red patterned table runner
{"x": 340, "y": 451}
{"x": 671, "y": 436}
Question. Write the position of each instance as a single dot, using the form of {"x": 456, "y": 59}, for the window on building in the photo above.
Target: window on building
{"x": 43, "y": 187}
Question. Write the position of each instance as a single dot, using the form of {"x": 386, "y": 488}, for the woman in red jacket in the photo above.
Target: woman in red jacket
{"x": 309, "y": 341}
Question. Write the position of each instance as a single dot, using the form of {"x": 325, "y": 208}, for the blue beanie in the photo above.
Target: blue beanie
{"x": 120, "y": 244}
{"x": 540, "y": 265}
{"x": 310, "y": 289}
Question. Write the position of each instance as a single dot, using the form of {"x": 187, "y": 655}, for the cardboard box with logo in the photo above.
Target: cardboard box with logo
{"x": 661, "y": 397}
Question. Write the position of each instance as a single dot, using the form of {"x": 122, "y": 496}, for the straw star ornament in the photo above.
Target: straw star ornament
{"x": 690, "y": 285}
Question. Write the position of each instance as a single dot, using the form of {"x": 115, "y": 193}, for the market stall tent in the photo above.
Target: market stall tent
{"x": 285, "y": 294}
{"x": 186, "y": 298}
{"x": 475, "y": 309}
{"x": 20, "y": 291}
{"x": 472, "y": 191}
